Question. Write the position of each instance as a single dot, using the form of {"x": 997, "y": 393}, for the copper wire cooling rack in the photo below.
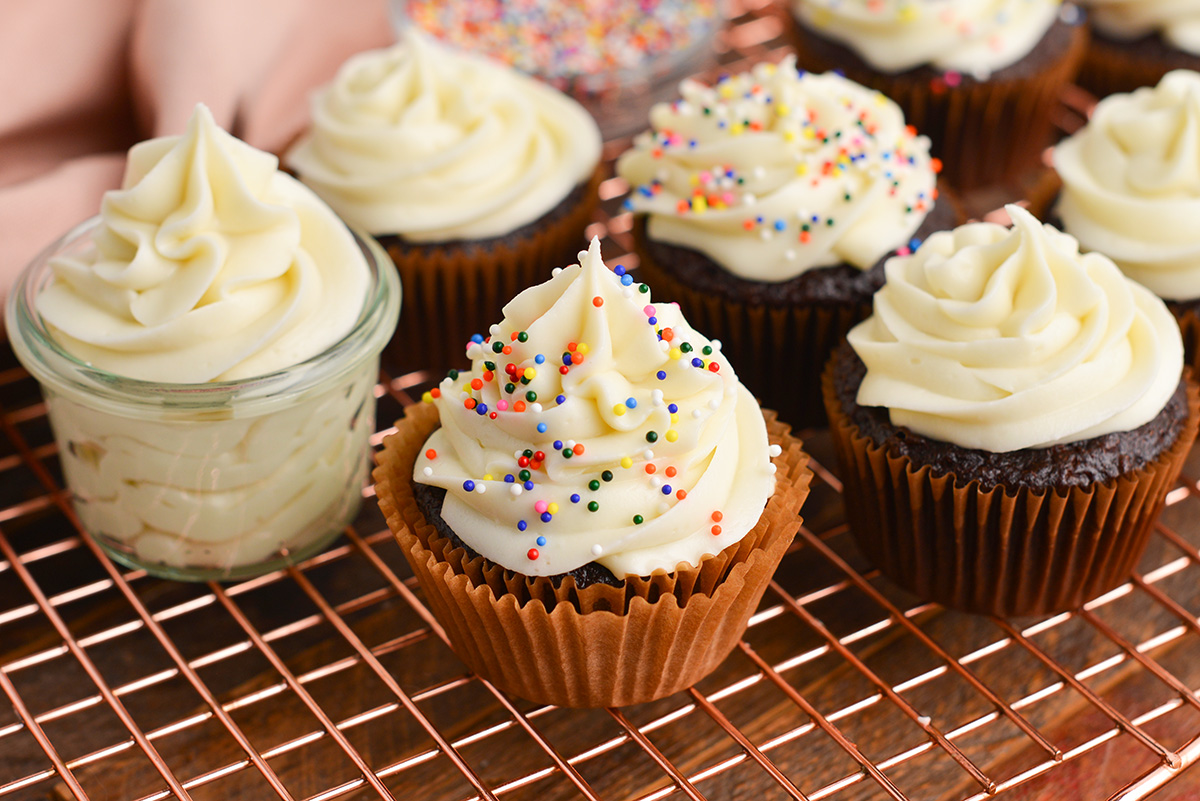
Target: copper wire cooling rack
{"x": 332, "y": 680}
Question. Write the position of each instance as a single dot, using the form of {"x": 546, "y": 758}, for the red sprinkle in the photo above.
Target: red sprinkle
{"x": 431, "y": 454}
{"x": 470, "y": 403}
{"x": 533, "y": 554}
{"x": 564, "y": 369}
{"x": 576, "y": 358}
{"x": 435, "y": 393}
{"x": 681, "y": 494}
{"x": 523, "y": 461}
{"x": 597, "y": 301}
{"x": 539, "y": 456}
{"x": 492, "y": 415}
{"x": 577, "y": 449}
{"x": 476, "y": 384}
{"x": 671, "y": 471}
{"x": 649, "y": 468}
{"x": 716, "y": 530}
{"x": 716, "y": 516}
{"x": 713, "y": 366}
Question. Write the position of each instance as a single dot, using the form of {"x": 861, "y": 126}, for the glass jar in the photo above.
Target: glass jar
{"x": 220, "y": 480}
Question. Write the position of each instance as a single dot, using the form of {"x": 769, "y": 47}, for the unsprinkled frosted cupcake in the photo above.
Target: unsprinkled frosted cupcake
{"x": 1009, "y": 420}
{"x": 475, "y": 178}
{"x": 980, "y": 77}
{"x": 1136, "y": 42}
{"x": 594, "y": 509}
{"x": 1131, "y": 190}
{"x": 766, "y": 205}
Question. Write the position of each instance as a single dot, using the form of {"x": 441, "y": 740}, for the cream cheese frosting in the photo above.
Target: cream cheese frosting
{"x": 975, "y": 37}
{"x": 434, "y": 144}
{"x": 1177, "y": 21}
{"x": 209, "y": 265}
{"x": 1131, "y": 184}
{"x": 774, "y": 172}
{"x": 595, "y": 425}
{"x": 1001, "y": 339}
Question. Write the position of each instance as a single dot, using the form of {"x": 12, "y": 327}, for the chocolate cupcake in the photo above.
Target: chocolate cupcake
{"x": 766, "y": 204}
{"x": 1131, "y": 190}
{"x": 980, "y": 77}
{"x": 1009, "y": 420}
{"x": 476, "y": 179}
{"x": 1136, "y": 42}
{"x": 593, "y": 510}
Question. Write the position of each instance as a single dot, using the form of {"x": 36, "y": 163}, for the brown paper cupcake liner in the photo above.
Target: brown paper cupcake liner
{"x": 986, "y": 133}
{"x": 1189, "y": 328}
{"x": 452, "y": 290}
{"x": 777, "y": 351}
{"x": 599, "y": 645}
{"x": 1111, "y": 67}
{"x": 1004, "y": 551}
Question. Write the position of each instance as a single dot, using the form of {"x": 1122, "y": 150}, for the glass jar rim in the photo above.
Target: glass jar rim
{"x": 41, "y": 354}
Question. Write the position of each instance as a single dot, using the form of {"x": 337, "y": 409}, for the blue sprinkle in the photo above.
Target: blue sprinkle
{"x": 759, "y": 219}
{"x": 666, "y": 488}
{"x": 661, "y": 374}
{"x": 646, "y": 192}
{"x": 469, "y": 485}
{"x": 729, "y": 173}
{"x": 721, "y": 124}
{"x": 540, "y": 359}
{"x": 914, "y": 243}
{"x": 541, "y": 541}
{"x": 631, "y": 403}
{"x": 627, "y": 204}
{"x": 575, "y": 498}
{"x": 529, "y": 485}
{"x": 840, "y": 72}
{"x": 481, "y": 409}
{"x": 697, "y": 362}
{"x": 522, "y": 525}
{"x": 541, "y": 428}
{"x": 509, "y": 479}
{"x": 560, "y": 400}
{"x": 558, "y": 444}
{"x": 567, "y": 359}
{"x": 547, "y": 517}
{"x": 619, "y": 269}
{"x": 626, "y": 279}
{"x": 653, "y": 321}
{"x": 780, "y": 225}
{"x": 477, "y": 338}
{"x": 672, "y": 408}
{"x": 692, "y": 143}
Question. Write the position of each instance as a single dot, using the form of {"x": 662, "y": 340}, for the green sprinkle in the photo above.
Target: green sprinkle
{"x": 490, "y": 366}
{"x": 643, "y": 288}
{"x": 637, "y": 520}
{"x": 524, "y": 475}
{"x": 453, "y": 375}
{"x": 606, "y": 475}
{"x": 651, "y": 436}
{"x": 510, "y": 388}
{"x": 523, "y": 337}
{"x": 593, "y": 506}
{"x": 593, "y": 485}
{"x": 686, "y": 347}
{"x": 527, "y": 453}
{"x": 497, "y": 347}
{"x": 568, "y": 453}
{"x": 531, "y": 396}
{"x": 707, "y": 351}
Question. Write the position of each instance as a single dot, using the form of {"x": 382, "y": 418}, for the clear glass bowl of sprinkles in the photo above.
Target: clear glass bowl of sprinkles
{"x": 616, "y": 57}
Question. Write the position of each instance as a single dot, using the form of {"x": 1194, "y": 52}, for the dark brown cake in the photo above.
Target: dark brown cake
{"x": 1073, "y": 464}
{"x": 1112, "y": 66}
{"x": 962, "y": 120}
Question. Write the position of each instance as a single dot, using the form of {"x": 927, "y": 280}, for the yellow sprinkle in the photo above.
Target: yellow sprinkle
{"x": 907, "y": 13}
{"x": 789, "y": 136}
{"x": 768, "y": 69}
{"x": 674, "y": 418}
{"x": 487, "y": 476}
{"x": 619, "y": 409}
{"x": 626, "y": 462}
{"x": 694, "y": 180}
{"x": 427, "y": 397}
{"x": 782, "y": 110}
{"x": 809, "y": 133}
{"x": 676, "y": 353}
{"x": 530, "y": 373}
{"x": 736, "y": 129}
{"x": 581, "y": 348}
{"x": 699, "y": 204}
{"x": 802, "y": 168}
{"x": 552, "y": 508}
{"x": 672, "y": 435}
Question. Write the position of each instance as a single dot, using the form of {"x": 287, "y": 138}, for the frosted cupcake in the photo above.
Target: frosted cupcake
{"x": 1131, "y": 190}
{"x": 1136, "y": 42}
{"x": 601, "y": 505}
{"x": 475, "y": 178}
{"x": 208, "y": 349}
{"x": 1009, "y": 420}
{"x": 766, "y": 204}
{"x": 980, "y": 77}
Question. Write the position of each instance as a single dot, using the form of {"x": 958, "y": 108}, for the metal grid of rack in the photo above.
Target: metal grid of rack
{"x": 332, "y": 680}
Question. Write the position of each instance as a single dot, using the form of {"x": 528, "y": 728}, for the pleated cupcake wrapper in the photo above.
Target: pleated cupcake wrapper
{"x": 1004, "y": 551}
{"x": 598, "y": 645}
{"x": 987, "y": 133}
{"x": 453, "y": 292}
{"x": 1189, "y": 327}
{"x": 777, "y": 352}
{"x": 1109, "y": 68}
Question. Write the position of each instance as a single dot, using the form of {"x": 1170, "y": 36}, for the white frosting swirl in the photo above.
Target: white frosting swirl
{"x": 665, "y": 438}
{"x": 1177, "y": 21}
{"x": 1131, "y": 184}
{"x": 774, "y": 172}
{"x": 976, "y": 37}
{"x": 434, "y": 144}
{"x": 209, "y": 264}
{"x": 1004, "y": 339}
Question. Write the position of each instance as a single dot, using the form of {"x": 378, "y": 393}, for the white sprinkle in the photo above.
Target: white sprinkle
{"x": 480, "y": 488}
{"x": 569, "y": 443}
{"x": 696, "y": 413}
{"x": 771, "y": 467}
{"x": 597, "y": 549}
{"x": 774, "y": 450}
{"x": 516, "y": 490}
{"x": 765, "y": 234}
{"x": 556, "y": 271}
{"x": 428, "y": 471}
{"x": 627, "y": 291}
{"x": 759, "y": 171}
{"x": 517, "y": 454}
{"x": 664, "y": 507}
{"x": 647, "y": 454}
{"x": 656, "y": 397}
{"x": 749, "y": 199}
{"x": 663, "y": 345}
{"x": 536, "y": 408}
{"x": 714, "y": 404}
{"x": 716, "y": 344}
{"x": 495, "y": 329}
{"x": 790, "y": 254}
{"x": 655, "y": 482}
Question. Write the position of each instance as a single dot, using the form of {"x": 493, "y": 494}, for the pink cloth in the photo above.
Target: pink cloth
{"x": 80, "y": 82}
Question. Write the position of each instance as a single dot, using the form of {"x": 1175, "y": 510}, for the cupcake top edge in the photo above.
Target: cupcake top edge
{"x": 1131, "y": 184}
{"x": 775, "y": 171}
{"x": 433, "y": 144}
{"x": 1000, "y": 339}
{"x": 596, "y": 425}
{"x": 209, "y": 264}
{"x": 975, "y": 37}
{"x": 1177, "y": 21}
